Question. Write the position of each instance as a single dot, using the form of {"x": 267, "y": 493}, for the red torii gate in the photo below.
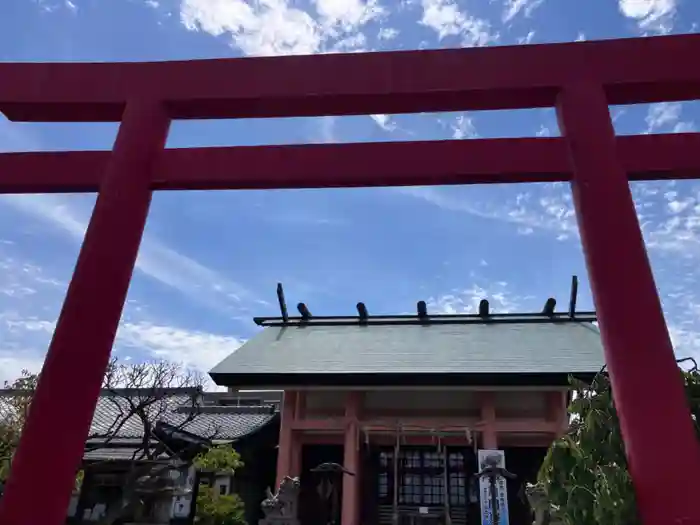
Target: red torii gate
{"x": 579, "y": 79}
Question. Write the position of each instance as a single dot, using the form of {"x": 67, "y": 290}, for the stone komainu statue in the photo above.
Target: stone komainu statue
{"x": 544, "y": 513}
{"x": 281, "y": 508}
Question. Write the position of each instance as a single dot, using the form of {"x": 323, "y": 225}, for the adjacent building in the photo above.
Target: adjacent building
{"x": 184, "y": 422}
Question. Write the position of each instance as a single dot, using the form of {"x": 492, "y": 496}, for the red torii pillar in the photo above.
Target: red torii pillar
{"x": 53, "y": 439}
{"x": 648, "y": 391}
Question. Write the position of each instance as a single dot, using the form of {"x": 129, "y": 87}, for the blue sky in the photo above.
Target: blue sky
{"x": 210, "y": 261}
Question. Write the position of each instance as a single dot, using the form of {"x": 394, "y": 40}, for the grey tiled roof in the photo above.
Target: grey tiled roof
{"x": 115, "y": 436}
{"x": 220, "y": 425}
{"x": 474, "y": 348}
{"x": 113, "y": 454}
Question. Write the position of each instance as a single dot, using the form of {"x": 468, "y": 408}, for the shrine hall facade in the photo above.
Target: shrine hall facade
{"x": 430, "y": 391}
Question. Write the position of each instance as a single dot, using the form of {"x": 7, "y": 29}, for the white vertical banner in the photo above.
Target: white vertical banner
{"x": 499, "y": 458}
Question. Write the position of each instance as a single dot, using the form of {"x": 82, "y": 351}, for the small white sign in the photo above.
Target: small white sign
{"x": 422, "y": 510}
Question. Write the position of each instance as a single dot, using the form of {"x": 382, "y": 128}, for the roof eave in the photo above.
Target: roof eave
{"x": 403, "y": 379}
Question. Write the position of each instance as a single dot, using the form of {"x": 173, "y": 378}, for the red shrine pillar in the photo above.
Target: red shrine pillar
{"x": 297, "y": 441}
{"x": 489, "y": 436}
{"x": 350, "y": 510}
{"x": 79, "y": 353}
{"x": 289, "y": 446}
{"x": 649, "y": 395}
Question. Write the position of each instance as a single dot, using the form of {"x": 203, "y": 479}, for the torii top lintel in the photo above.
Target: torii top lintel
{"x": 508, "y": 77}
{"x": 629, "y": 70}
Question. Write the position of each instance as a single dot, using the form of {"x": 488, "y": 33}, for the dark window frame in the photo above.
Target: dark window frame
{"x": 421, "y": 477}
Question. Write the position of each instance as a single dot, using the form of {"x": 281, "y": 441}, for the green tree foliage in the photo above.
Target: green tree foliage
{"x": 222, "y": 459}
{"x": 585, "y": 473}
{"x": 214, "y": 508}
{"x": 219, "y": 509}
{"x": 15, "y": 400}
{"x": 14, "y": 408}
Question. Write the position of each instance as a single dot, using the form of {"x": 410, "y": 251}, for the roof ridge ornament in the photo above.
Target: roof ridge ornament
{"x": 484, "y": 308}
{"x": 549, "y": 307}
{"x": 304, "y": 311}
{"x": 362, "y": 313}
{"x": 422, "y": 317}
{"x": 422, "y": 309}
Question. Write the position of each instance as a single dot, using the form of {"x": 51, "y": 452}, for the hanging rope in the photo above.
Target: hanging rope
{"x": 389, "y": 426}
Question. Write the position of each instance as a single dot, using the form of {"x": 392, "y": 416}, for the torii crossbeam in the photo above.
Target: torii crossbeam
{"x": 579, "y": 79}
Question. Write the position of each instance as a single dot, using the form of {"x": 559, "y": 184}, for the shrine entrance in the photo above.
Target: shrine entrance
{"x": 418, "y": 480}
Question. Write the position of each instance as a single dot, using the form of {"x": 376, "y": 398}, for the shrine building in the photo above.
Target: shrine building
{"x": 432, "y": 391}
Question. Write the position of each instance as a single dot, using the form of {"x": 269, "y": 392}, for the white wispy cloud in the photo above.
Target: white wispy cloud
{"x": 277, "y": 27}
{"x": 49, "y": 6}
{"x": 195, "y": 350}
{"x": 513, "y": 8}
{"x": 464, "y": 128}
{"x": 30, "y": 297}
{"x": 274, "y": 28}
{"x": 30, "y": 305}
{"x": 666, "y": 117}
{"x": 11, "y": 366}
{"x": 446, "y": 18}
{"x": 461, "y": 301}
{"x": 527, "y": 39}
{"x": 654, "y": 16}
{"x": 671, "y": 217}
{"x": 388, "y": 33}
{"x": 549, "y": 210}
{"x": 340, "y": 17}
{"x": 168, "y": 266}
{"x": 544, "y": 131}
{"x": 384, "y": 121}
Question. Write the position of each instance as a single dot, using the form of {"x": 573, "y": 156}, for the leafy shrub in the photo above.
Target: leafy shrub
{"x": 585, "y": 473}
{"x": 222, "y": 459}
{"x": 214, "y": 508}
{"x": 219, "y": 509}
